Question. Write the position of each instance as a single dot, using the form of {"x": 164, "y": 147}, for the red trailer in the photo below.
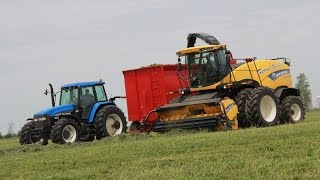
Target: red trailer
{"x": 150, "y": 87}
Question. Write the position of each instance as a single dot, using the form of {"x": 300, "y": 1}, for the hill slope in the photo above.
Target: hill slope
{"x": 286, "y": 151}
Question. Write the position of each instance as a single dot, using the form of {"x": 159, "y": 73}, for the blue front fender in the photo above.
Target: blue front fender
{"x": 95, "y": 107}
{"x": 55, "y": 110}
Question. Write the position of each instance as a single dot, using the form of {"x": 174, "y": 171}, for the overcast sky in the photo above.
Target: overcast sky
{"x": 76, "y": 40}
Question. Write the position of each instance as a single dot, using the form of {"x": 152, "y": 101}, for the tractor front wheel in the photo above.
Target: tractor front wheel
{"x": 264, "y": 107}
{"x": 109, "y": 121}
{"x": 65, "y": 130}
{"x": 26, "y": 136}
{"x": 292, "y": 109}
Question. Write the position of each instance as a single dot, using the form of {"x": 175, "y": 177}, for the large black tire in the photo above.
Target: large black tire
{"x": 65, "y": 130}
{"x": 242, "y": 99}
{"x": 109, "y": 121}
{"x": 25, "y": 134}
{"x": 292, "y": 110}
{"x": 263, "y": 107}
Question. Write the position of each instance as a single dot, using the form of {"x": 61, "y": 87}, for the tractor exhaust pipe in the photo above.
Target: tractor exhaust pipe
{"x": 52, "y": 95}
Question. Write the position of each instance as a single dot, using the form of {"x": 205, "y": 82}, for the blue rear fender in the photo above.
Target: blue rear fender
{"x": 51, "y": 112}
{"x": 96, "y": 107}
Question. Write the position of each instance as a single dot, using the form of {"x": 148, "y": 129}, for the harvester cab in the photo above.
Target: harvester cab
{"x": 84, "y": 112}
{"x": 221, "y": 93}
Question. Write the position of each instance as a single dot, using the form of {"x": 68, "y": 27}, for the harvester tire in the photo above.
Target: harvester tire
{"x": 242, "y": 99}
{"x": 263, "y": 106}
{"x": 25, "y": 135}
{"x": 292, "y": 110}
{"x": 65, "y": 130}
{"x": 109, "y": 121}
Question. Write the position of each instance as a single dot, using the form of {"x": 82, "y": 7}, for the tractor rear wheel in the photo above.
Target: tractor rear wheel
{"x": 292, "y": 109}
{"x": 242, "y": 99}
{"x": 109, "y": 121}
{"x": 65, "y": 130}
{"x": 26, "y": 137}
{"x": 264, "y": 107}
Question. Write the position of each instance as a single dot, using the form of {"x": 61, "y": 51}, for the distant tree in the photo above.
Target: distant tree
{"x": 10, "y": 128}
{"x": 0, "y": 135}
{"x": 10, "y": 132}
{"x": 305, "y": 91}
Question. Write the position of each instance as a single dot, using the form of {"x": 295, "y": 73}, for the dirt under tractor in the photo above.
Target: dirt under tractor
{"x": 220, "y": 92}
{"x": 84, "y": 112}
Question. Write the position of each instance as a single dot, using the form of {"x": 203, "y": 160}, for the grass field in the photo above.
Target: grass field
{"x": 283, "y": 152}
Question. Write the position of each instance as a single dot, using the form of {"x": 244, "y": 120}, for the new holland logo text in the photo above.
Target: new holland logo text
{"x": 277, "y": 74}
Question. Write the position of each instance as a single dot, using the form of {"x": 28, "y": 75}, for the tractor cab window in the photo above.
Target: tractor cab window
{"x": 101, "y": 95}
{"x": 87, "y": 100}
{"x": 69, "y": 96}
{"x": 207, "y": 68}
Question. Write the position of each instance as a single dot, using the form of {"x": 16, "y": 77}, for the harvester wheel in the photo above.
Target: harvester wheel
{"x": 242, "y": 102}
{"x": 109, "y": 121}
{"x": 26, "y": 137}
{"x": 292, "y": 109}
{"x": 65, "y": 130}
{"x": 264, "y": 107}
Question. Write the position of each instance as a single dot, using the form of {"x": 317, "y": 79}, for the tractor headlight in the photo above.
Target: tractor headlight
{"x": 40, "y": 119}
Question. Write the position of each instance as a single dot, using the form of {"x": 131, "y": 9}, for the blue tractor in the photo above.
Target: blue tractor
{"x": 83, "y": 114}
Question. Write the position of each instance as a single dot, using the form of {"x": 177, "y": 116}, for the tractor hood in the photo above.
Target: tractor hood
{"x": 54, "y": 110}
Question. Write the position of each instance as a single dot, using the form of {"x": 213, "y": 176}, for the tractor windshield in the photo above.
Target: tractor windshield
{"x": 69, "y": 96}
{"x": 207, "y": 68}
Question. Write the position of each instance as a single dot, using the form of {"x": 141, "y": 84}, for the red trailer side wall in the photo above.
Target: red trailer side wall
{"x": 148, "y": 88}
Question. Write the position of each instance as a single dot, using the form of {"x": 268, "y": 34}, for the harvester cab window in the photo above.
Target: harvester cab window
{"x": 69, "y": 96}
{"x": 206, "y": 68}
{"x": 224, "y": 67}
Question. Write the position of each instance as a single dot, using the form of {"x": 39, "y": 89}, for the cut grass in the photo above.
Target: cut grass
{"x": 290, "y": 151}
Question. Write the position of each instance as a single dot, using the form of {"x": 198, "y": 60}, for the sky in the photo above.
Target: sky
{"x": 61, "y": 42}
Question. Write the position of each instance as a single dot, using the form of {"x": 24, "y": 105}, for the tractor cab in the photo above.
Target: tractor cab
{"x": 77, "y": 99}
{"x": 83, "y": 96}
{"x": 206, "y": 65}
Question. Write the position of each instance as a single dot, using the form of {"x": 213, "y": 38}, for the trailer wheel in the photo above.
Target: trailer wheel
{"x": 65, "y": 130}
{"x": 264, "y": 107}
{"x": 109, "y": 121}
{"x": 292, "y": 109}
{"x": 26, "y": 137}
{"x": 242, "y": 100}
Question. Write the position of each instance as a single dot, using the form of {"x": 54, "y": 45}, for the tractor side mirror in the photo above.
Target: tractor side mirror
{"x": 179, "y": 64}
{"x": 46, "y": 92}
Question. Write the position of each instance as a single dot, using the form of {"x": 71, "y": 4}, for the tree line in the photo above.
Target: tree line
{"x": 10, "y": 132}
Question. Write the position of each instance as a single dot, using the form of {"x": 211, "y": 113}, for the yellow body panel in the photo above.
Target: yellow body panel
{"x": 230, "y": 109}
{"x": 269, "y": 73}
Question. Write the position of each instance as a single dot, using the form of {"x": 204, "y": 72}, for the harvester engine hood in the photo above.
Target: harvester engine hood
{"x": 54, "y": 110}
